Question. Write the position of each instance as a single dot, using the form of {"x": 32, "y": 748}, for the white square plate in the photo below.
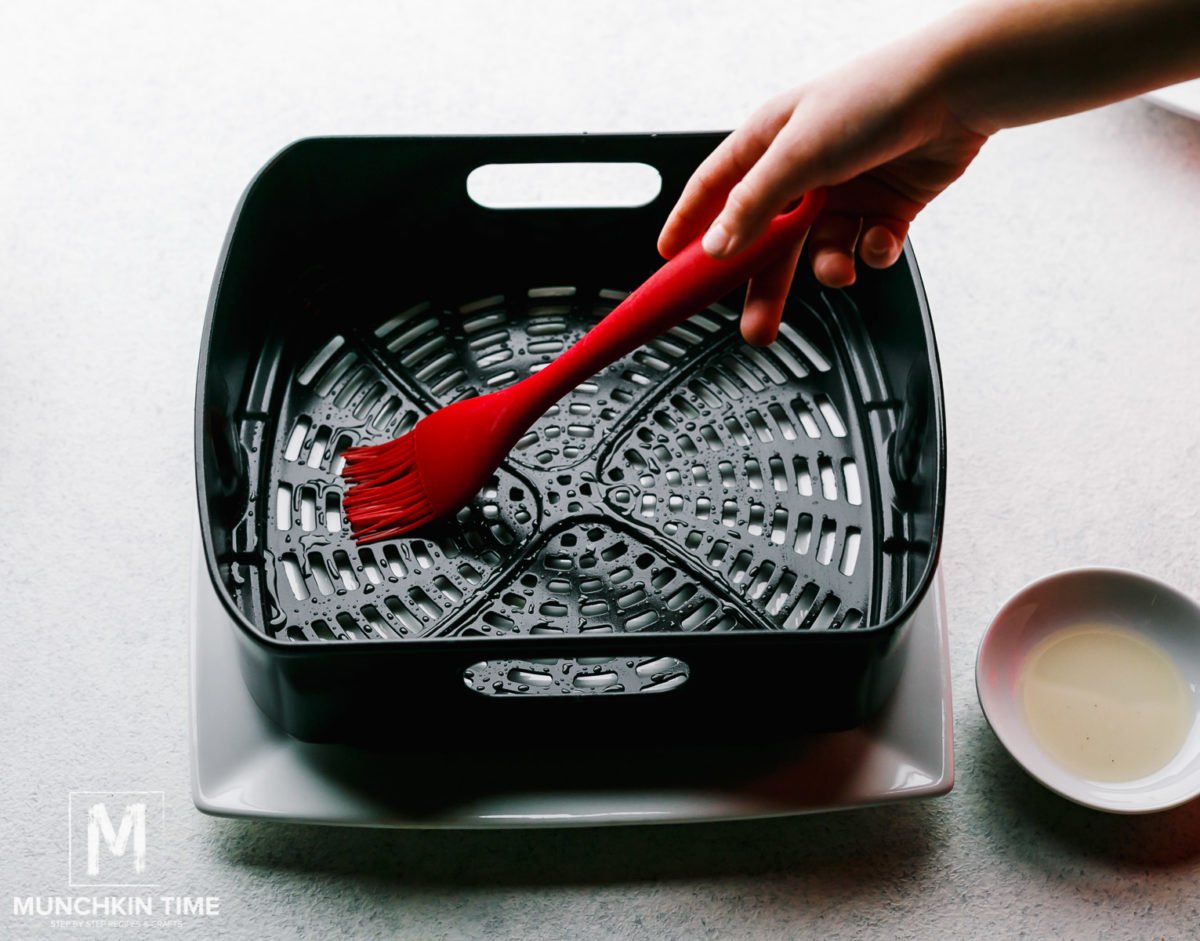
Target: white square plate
{"x": 243, "y": 765}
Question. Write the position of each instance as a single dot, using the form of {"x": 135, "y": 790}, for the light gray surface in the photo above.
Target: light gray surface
{"x": 1063, "y": 276}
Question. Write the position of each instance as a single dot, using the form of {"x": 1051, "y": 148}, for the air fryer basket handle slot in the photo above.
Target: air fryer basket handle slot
{"x": 564, "y": 185}
{"x": 562, "y": 677}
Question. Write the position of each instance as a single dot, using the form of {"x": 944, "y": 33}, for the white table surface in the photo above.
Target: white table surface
{"x": 1064, "y": 277}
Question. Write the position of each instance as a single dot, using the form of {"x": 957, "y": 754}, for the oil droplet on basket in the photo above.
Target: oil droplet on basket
{"x": 1105, "y": 703}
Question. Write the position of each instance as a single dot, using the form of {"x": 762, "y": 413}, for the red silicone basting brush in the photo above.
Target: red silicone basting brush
{"x": 449, "y": 455}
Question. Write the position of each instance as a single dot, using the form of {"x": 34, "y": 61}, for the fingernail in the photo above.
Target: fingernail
{"x": 879, "y": 243}
{"x": 717, "y": 240}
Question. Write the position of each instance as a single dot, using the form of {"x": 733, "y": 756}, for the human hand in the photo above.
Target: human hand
{"x": 877, "y": 132}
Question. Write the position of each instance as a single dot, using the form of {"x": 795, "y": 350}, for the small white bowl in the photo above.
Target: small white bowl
{"x": 1150, "y": 609}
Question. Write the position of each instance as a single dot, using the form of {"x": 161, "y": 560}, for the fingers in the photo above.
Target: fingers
{"x": 783, "y": 172}
{"x": 835, "y": 236}
{"x": 882, "y": 241}
{"x": 831, "y": 247}
{"x": 885, "y": 213}
{"x": 765, "y": 297}
{"x": 707, "y": 189}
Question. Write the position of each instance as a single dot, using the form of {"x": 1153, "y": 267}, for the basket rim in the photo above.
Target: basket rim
{"x": 618, "y": 644}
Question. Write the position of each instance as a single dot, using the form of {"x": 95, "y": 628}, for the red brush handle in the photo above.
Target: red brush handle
{"x": 681, "y": 288}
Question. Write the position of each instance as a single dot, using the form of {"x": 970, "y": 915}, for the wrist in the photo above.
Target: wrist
{"x": 956, "y": 70}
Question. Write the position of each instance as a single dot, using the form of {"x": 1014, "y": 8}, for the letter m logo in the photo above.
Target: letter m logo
{"x": 100, "y": 827}
{"x": 110, "y": 832}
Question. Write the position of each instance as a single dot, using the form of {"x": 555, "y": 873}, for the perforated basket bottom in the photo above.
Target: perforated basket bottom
{"x": 697, "y": 485}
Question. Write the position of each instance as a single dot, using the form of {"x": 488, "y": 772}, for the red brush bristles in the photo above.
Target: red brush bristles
{"x": 385, "y": 497}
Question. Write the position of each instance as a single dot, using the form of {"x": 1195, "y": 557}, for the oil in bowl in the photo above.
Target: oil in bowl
{"x": 1105, "y": 703}
{"x": 1090, "y": 679}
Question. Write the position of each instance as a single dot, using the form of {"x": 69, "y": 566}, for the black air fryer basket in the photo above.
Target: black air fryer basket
{"x": 706, "y": 534}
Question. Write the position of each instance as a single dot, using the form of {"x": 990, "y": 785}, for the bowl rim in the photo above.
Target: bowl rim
{"x": 1002, "y": 615}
